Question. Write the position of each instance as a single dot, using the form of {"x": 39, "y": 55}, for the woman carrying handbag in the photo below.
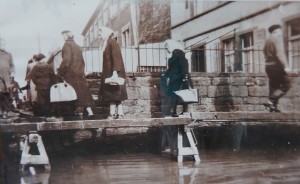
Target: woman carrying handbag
{"x": 174, "y": 79}
{"x": 113, "y": 86}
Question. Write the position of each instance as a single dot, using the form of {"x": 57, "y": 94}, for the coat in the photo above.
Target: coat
{"x": 172, "y": 79}
{"x": 6, "y": 68}
{"x": 72, "y": 71}
{"x": 113, "y": 61}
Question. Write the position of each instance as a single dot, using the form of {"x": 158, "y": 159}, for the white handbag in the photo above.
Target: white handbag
{"x": 62, "y": 92}
{"x": 114, "y": 80}
{"x": 188, "y": 95}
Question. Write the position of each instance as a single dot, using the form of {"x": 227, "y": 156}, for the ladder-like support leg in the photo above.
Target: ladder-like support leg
{"x": 184, "y": 151}
{"x": 28, "y": 159}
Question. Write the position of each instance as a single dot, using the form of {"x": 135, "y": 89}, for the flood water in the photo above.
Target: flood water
{"x": 252, "y": 164}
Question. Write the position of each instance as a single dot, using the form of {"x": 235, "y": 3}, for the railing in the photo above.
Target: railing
{"x": 145, "y": 58}
{"x": 153, "y": 58}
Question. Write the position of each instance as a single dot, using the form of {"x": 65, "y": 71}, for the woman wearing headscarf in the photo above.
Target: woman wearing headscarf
{"x": 72, "y": 71}
{"x": 175, "y": 78}
{"x": 113, "y": 65}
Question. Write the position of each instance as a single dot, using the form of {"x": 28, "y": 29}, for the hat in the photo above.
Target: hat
{"x": 65, "y": 31}
{"x": 38, "y": 57}
{"x": 172, "y": 45}
{"x": 273, "y": 27}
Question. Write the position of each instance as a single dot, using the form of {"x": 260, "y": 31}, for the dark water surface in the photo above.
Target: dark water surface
{"x": 217, "y": 166}
{"x": 268, "y": 155}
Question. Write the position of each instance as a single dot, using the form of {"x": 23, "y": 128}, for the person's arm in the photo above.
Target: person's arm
{"x": 66, "y": 59}
{"x": 116, "y": 56}
{"x": 12, "y": 66}
{"x": 281, "y": 54}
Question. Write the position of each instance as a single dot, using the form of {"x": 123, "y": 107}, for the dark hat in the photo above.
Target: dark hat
{"x": 273, "y": 27}
{"x": 65, "y": 31}
{"x": 38, "y": 57}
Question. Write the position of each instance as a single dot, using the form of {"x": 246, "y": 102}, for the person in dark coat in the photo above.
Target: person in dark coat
{"x": 113, "y": 65}
{"x": 175, "y": 78}
{"x": 276, "y": 67}
{"x": 42, "y": 76}
{"x": 72, "y": 71}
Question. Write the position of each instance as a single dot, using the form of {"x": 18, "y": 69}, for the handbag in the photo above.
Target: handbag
{"x": 188, "y": 95}
{"x": 62, "y": 92}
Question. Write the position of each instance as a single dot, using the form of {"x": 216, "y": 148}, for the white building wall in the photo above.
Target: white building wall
{"x": 226, "y": 14}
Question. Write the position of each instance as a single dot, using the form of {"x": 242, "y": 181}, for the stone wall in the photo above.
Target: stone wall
{"x": 218, "y": 92}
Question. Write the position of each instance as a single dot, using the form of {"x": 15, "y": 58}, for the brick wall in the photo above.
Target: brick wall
{"x": 218, "y": 92}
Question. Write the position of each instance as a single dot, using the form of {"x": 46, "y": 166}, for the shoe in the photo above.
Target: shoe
{"x": 111, "y": 117}
{"x": 4, "y": 115}
{"x": 120, "y": 116}
{"x": 91, "y": 117}
{"x": 270, "y": 106}
{"x": 175, "y": 115}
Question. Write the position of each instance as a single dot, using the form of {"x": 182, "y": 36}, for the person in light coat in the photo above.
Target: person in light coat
{"x": 113, "y": 65}
{"x": 7, "y": 71}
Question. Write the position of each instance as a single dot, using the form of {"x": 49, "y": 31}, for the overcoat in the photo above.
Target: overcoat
{"x": 113, "y": 61}
{"x": 72, "y": 71}
{"x": 6, "y": 68}
{"x": 172, "y": 79}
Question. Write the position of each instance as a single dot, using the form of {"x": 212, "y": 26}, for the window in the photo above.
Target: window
{"x": 92, "y": 34}
{"x": 100, "y": 20}
{"x": 88, "y": 40}
{"x": 186, "y": 4}
{"x": 96, "y": 28}
{"x": 125, "y": 38}
{"x": 123, "y": 3}
{"x": 105, "y": 14}
{"x": 228, "y": 55}
{"x": 294, "y": 44}
{"x": 113, "y": 8}
{"x": 198, "y": 59}
{"x": 247, "y": 52}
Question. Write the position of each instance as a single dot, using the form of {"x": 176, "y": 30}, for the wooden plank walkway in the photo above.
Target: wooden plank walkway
{"x": 202, "y": 119}
{"x": 86, "y": 124}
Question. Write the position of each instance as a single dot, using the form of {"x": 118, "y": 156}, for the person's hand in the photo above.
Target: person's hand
{"x": 115, "y": 74}
{"x": 287, "y": 70}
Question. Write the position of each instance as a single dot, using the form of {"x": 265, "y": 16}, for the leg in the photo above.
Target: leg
{"x": 120, "y": 114}
{"x": 90, "y": 113}
{"x": 112, "y": 110}
{"x": 174, "y": 102}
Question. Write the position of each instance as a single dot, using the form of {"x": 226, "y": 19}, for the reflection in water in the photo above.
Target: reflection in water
{"x": 268, "y": 155}
{"x": 41, "y": 178}
{"x": 219, "y": 166}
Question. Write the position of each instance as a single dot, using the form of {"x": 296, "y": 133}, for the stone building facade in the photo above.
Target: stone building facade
{"x": 148, "y": 21}
{"x": 141, "y": 27}
{"x": 227, "y": 36}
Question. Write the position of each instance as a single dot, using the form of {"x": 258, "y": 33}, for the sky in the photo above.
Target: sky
{"x": 30, "y": 26}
